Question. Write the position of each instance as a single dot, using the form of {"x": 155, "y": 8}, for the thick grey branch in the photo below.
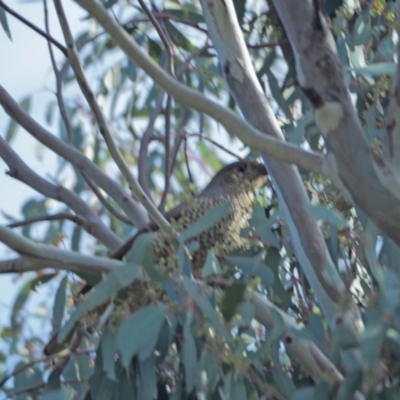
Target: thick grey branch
{"x": 37, "y": 256}
{"x": 103, "y": 127}
{"x": 75, "y": 157}
{"x": 307, "y": 240}
{"x": 371, "y": 184}
{"x": 392, "y": 143}
{"x": 231, "y": 121}
{"x": 91, "y": 222}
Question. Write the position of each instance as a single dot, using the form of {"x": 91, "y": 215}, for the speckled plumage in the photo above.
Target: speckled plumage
{"x": 235, "y": 184}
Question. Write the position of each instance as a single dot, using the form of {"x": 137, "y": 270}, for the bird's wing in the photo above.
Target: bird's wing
{"x": 172, "y": 214}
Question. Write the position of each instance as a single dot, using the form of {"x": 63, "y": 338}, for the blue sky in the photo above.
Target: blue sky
{"x": 25, "y": 69}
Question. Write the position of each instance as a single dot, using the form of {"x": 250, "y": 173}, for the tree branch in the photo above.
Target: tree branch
{"x": 73, "y": 57}
{"x": 91, "y": 222}
{"x": 75, "y": 157}
{"x": 57, "y": 74}
{"x": 54, "y": 217}
{"x": 104, "y": 201}
{"x": 35, "y": 256}
{"x": 34, "y": 28}
{"x": 231, "y": 121}
{"x": 369, "y": 182}
{"x": 307, "y": 240}
{"x": 392, "y": 142}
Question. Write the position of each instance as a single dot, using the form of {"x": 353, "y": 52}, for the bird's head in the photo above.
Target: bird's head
{"x": 236, "y": 177}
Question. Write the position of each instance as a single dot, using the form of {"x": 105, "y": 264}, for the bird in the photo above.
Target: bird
{"x": 235, "y": 185}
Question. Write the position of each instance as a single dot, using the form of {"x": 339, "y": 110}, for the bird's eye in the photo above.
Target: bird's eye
{"x": 241, "y": 168}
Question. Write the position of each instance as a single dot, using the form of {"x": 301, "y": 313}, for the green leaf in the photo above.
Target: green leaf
{"x": 371, "y": 342}
{"x": 316, "y": 327}
{"x": 253, "y": 267}
{"x": 27, "y": 377}
{"x": 209, "y": 219}
{"x": 234, "y": 388}
{"x": 164, "y": 338}
{"x": 329, "y": 215}
{"x": 109, "y": 3}
{"x": 377, "y": 69}
{"x": 238, "y": 389}
{"x": 141, "y": 327}
{"x": 148, "y": 378}
{"x": 281, "y": 377}
{"x": 233, "y": 297}
{"x": 59, "y": 304}
{"x": 306, "y": 393}
{"x": 263, "y": 226}
{"x": 211, "y": 266}
{"x": 142, "y": 253}
{"x": 64, "y": 393}
{"x": 350, "y": 385}
{"x": 154, "y": 49}
{"x": 24, "y": 293}
{"x": 113, "y": 282}
{"x": 390, "y": 290}
{"x": 184, "y": 13}
{"x": 208, "y": 155}
{"x": 189, "y": 355}
{"x": 343, "y": 339}
{"x": 179, "y": 38}
{"x": 203, "y": 302}
{"x": 131, "y": 70}
{"x": 4, "y": 22}
{"x": 50, "y": 112}
{"x": 274, "y": 335}
{"x": 108, "y": 350}
{"x": 240, "y": 8}
{"x": 25, "y": 103}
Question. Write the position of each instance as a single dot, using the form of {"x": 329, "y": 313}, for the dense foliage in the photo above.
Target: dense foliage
{"x": 175, "y": 338}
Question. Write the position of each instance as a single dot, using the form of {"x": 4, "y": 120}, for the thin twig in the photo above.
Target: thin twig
{"x": 57, "y": 74}
{"x": 104, "y": 201}
{"x": 187, "y": 161}
{"x": 161, "y": 34}
{"x": 22, "y": 368}
{"x": 282, "y": 43}
{"x": 202, "y": 136}
{"x": 168, "y": 43}
{"x": 167, "y": 145}
{"x": 91, "y": 222}
{"x": 232, "y": 122}
{"x": 54, "y": 217}
{"x": 157, "y": 217}
{"x": 144, "y": 143}
{"x": 75, "y": 157}
{"x": 34, "y": 27}
{"x": 164, "y": 15}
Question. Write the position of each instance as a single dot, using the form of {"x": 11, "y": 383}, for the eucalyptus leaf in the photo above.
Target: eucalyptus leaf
{"x": 137, "y": 330}
{"x": 4, "y": 23}
{"x": 114, "y": 281}
{"x": 189, "y": 355}
{"x": 59, "y": 304}
{"x": 209, "y": 219}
